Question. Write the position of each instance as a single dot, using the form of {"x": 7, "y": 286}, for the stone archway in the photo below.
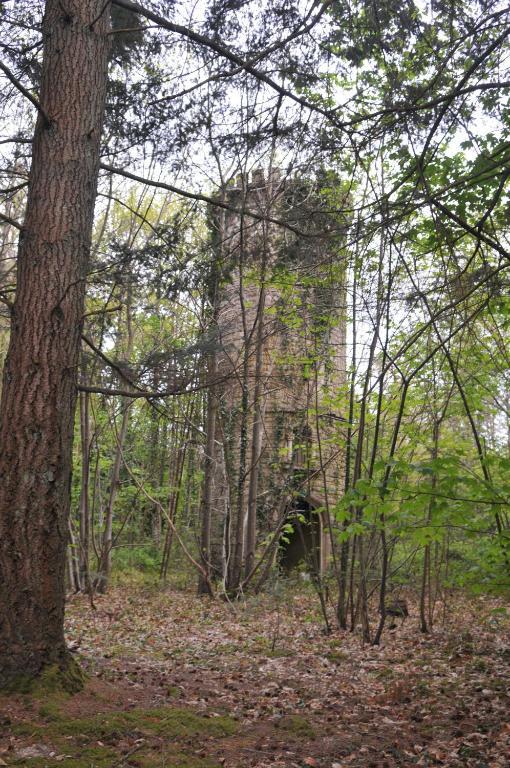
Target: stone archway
{"x": 305, "y": 545}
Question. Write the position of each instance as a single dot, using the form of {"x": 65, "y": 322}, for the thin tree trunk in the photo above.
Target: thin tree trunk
{"x": 177, "y": 461}
{"x": 210, "y": 448}
{"x": 153, "y": 469}
{"x": 341, "y": 610}
{"x": 156, "y": 457}
{"x": 156, "y": 521}
{"x": 256, "y": 443}
{"x": 238, "y": 548}
{"x": 105, "y": 563}
{"x": 84, "y": 493}
{"x": 425, "y": 625}
{"x": 73, "y": 564}
{"x": 207, "y": 501}
{"x": 173, "y": 506}
{"x": 236, "y": 563}
{"x": 39, "y": 384}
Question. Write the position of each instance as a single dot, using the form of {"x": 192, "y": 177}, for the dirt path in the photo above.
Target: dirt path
{"x": 178, "y": 681}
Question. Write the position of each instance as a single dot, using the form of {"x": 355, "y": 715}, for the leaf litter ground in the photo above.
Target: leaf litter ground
{"x": 174, "y": 680}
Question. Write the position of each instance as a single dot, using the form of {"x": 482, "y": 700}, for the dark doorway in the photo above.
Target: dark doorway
{"x": 300, "y": 548}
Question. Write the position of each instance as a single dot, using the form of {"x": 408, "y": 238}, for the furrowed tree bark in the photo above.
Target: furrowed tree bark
{"x": 39, "y": 385}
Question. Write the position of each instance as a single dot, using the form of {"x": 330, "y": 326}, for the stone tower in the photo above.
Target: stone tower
{"x": 279, "y": 368}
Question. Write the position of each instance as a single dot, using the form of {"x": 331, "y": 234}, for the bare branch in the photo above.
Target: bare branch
{"x": 26, "y": 93}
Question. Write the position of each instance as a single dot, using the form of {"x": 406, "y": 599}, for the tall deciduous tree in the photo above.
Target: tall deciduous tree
{"x": 39, "y": 387}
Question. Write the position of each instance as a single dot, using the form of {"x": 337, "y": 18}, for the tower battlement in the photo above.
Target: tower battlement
{"x": 259, "y": 178}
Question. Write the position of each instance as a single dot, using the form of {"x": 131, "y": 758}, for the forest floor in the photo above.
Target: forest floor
{"x": 174, "y": 680}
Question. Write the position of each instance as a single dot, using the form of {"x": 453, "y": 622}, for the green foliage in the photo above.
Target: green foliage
{"x": 139, "y": 559}
{"x": 67, "y": 677}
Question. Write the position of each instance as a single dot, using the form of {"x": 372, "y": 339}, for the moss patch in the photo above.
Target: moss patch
{"x": 385, "y": 673}
{"x": 172, "y": 759}
{"x": 166, "y": 722}
{"x": 336, "y": 657}
{"x": 280, "y": 653}
{"x": 105, "y": 757}
{"x": 54, "y": 678}
{"x": 51, "y": 707}
{"x": 94, "y": 742}
{"x": 298, "y": 726}
{"x": 93, "y": 757}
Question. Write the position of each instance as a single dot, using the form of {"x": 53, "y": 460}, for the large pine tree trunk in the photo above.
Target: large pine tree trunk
{"x": 39, "y": 386}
